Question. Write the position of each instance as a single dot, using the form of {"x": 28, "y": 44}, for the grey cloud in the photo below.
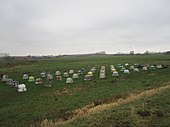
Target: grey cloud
{"x": 78, "y": 26}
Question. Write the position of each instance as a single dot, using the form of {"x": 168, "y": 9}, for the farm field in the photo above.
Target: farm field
{"x": 41, "y": 106}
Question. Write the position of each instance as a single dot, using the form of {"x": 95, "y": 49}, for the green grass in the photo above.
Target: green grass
{"x": 148, "y": 112}
{"x": 39, "y": 103}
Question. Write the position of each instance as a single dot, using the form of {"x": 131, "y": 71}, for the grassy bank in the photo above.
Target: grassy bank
{"x": 58, "y": 102}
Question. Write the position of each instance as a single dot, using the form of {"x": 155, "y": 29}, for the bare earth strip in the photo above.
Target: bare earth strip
{"x": 92, "y": 109}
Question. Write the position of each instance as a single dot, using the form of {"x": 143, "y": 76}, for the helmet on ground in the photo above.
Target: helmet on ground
{"x": 71, "y": 71}
{"x": 25, "y": 76}
{"x": 57, "y": 73}
{"x": 69, "y": 80}
{"x": 115, "y": 74}
{"x": 136, "y": 70}
{"x": 90, "y": 73}
{"x": 126, "y": 71}
{"x": 131, "y": 67}
{"x": 75, "y": 76}
{"x": 38, "y": 81}
{"x": 21, "y": 88}
{"x": 31, "y": 79}
{"x": 4, "y": 78}
{"x": 87, "y": 78}
{"x": 144, "y": 68}
{"x": 65, "y": 74}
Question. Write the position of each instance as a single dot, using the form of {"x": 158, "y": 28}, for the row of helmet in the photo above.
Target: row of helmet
{"x": 70, "y": 75}
{"x": 143, "y": 67}
{"x": 69, "y": 80}
{"x": 136, "y": 67}
{"x": 43, "y": 75}
{"x": 89, "y": 74}
{"x": 13, "y": 83}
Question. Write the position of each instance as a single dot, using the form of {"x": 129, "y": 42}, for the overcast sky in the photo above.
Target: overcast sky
{"x": 52, "y": 27}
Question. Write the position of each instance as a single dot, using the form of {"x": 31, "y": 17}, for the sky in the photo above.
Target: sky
{"x": 53, "y": 27}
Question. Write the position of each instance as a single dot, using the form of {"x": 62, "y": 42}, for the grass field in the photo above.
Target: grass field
{"x": 60, "y": 102}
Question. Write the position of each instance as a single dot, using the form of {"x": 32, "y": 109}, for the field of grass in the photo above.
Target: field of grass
{"x": 147, "y": 112}
{"x": 59, "y": 101}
